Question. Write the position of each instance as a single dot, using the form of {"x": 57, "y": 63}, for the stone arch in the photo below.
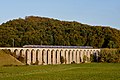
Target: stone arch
{"x": 81, "y": 56}
{"x": 33, "y": 56}
{"x": 16, "y": 53}
{"x": 94, "y": 52}
{"x": 71, "y": 56}
{"x": 22, "y": 53}
{"x": 58, "y": 56}
{"x": 28, "y": 57}
{"x": 77, "y": 56}
{"x": 90, "y": 51}
{"x": 39, "y": 56}
{"x": 85, "y": 57}
{"x": 88, "y": 55}
{"x": 48, "y": 56}
{"x": 66, "y": 56}
{"x": 94, "y": 55}
{"x": 74, "y": 56}
{"x": 62, "y": 56}
{"x": 68, "y": 51}
{"x": 87, "y": 52}
{"x": 53, "y": 56}
{"x": 37, "y": 51}
{"x": 97, "y": 53}
{"x": 22, "y": 56}
{"x": 44, "y": 57}
{"x": 9, "y": 50}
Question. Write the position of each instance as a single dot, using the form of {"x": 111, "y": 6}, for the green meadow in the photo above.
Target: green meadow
{"x": 88, "y": 71}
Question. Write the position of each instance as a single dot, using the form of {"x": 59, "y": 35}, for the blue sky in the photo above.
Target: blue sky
{"x": 92, "y": 12}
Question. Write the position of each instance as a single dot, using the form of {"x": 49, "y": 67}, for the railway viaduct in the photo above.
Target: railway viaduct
{"x": 45, "y": 56}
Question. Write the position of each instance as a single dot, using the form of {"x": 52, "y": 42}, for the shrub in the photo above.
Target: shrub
{"x": 92, "y": 58}
{"x": 73, "y": 62}
{"x": 36, "y": 63}
{"x": 84, "y": 58}
{"x": 109, "y": 55}
{"x": 62, "y": 60}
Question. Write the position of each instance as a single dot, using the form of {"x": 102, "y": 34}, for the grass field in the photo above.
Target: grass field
{"x": 93, "y": 71}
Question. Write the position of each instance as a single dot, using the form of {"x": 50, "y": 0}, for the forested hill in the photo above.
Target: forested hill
{"x": 45, "y": 31}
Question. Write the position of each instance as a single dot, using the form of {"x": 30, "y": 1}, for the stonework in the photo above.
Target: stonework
{"x": 45, "y": 56}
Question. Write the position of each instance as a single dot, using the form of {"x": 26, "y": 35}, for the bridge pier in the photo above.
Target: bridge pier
{"x": 49, "y": 56}
{"x": 33, "y": 56}
{"x": 78, "y": 57}
{"x": 53, "y": 55}
{"x": 28, "y": 57}
{"x": 39, "y": 57}
{"x": 70, "y": 56}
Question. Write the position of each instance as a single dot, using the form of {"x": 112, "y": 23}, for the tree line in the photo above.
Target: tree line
{"x": 34, "y": 30}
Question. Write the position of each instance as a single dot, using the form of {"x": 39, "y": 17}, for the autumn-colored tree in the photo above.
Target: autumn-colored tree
{"x": 34, "y": 30}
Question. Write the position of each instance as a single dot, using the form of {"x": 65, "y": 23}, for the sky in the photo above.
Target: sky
{"x": 91, "y": 12}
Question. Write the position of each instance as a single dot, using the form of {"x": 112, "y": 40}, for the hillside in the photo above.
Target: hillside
{"x": 46, "y": 31}
{"x": 7, "y": 59}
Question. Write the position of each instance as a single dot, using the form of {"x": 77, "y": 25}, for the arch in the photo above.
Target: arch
{"x": 58, "y": 56}
{"x": 51, "y": 56}
{"x": 96, "y": 55}
{"x": 9, "y": 50}
{"x": 78, "y": 56}
{"x": 62, "y": 56}
{"x": 33, "y": 57}
{"x": 67, "y": 57}
{"x": 44, "y": 57}
{"x": 90, "y": 50}
{"x": 39, "y": 56}
{"x": 22, "y": 53}
{"x": 71, "y": 56}
{"x": 48, "y": 56}
{"x": 28, "y": 57}
{"x": 90, "y": 55}
{"x": 22, "y": 56}
{"x": 16, "y": 53}
{"x": 81, "y": 55}
{"x": 74, "y": 56}
{"x": 87, "y": 56}
{"x": 53, "y": 53}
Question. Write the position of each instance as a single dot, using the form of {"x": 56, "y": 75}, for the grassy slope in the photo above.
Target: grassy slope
{"x": 6, "y": 59}
{"x": 93, "y": 71}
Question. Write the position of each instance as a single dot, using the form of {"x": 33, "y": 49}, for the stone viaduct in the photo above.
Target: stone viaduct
{"x": 45, "y": 56}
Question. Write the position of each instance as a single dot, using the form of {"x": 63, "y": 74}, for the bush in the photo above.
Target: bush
{"x": 84, "y": 58}
{"x": 73, "y": 62}
{"x": 109, "y": 55}
{"x": 92, "y": 59}
{"x": 36, "y": 63}
{"x": 62, "y": 60}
